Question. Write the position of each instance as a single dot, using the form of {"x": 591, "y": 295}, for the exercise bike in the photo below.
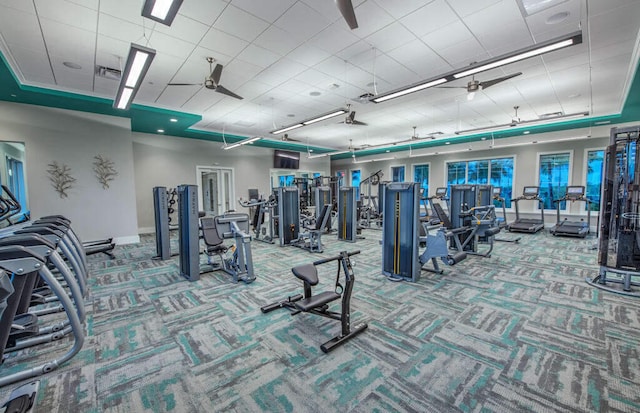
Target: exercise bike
{"x": 319, "y": 303}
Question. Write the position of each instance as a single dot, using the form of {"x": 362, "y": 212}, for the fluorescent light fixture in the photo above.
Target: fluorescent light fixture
{"x": 322, "y": 155}
{"x": 504, "y": 126}
{"x": 522, "y": 54}
{"x": 409, "y": 89}
{"x": 162, "y": 11}
{"x": 323, "y": 117}
{"x": 287, "y": 128}
{"x": 313, "y": 120}
{"x": 243, "y": 142}
{"x": 525, "y": 53}
{"x": 135, "y": 69}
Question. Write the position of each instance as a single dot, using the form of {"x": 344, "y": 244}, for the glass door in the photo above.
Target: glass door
{"x": 216, "y": 190}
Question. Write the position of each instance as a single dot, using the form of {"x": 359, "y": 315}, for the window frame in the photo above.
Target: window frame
{"x": 585, "y": 170}
{"x": 413, "y": 178}
{"x": 398, "y": 166}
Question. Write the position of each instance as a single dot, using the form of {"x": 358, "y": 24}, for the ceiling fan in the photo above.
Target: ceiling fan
{"x": 349, "y": 15}
{"x": 350, "y": 119}
{"x": 476, "y": 85}
{"x": 212, "y": 81}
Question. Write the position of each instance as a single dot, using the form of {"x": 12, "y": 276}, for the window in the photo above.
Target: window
{"x": 397, "y": 173}
{"x": 554, "y": 178}
{"x": 340, "y": 175}
{"x": 421, "y": 176}
{"x": 502, "y": 176}
{"x": 286, "y": 180}
{"x": 497, "y": 172}
{"x": 355, "y": 181}
{"x": 478, "y": 172}
{"x": 595, "y": 161}
{"x": 15, "y": 172}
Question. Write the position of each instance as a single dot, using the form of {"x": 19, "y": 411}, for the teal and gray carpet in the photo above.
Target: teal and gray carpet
{"x": 520, "y": 331}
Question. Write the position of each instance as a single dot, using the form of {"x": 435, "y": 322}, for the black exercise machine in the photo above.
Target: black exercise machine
{"x": 530, "y": 225}
{"x": 572, "y": 228}
{"x": 261, "y": 208}
{"x": 319, "y": 304}
{"x": 311, "y": 238}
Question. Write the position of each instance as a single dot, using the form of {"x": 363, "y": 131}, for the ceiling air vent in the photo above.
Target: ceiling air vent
{"x": 108, "y": 73}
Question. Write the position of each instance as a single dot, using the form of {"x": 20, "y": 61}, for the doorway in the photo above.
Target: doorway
{"x": 216, "y": 193}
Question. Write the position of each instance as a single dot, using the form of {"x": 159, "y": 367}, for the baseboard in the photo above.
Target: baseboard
{"x": 132, "y": 239}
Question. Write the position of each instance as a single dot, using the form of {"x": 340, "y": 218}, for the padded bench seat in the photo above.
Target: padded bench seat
{"x": 316, "y": 301}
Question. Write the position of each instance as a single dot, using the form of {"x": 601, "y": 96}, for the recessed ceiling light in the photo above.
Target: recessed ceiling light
{"x": 13, "y": 95}
{"x": 334, "y": 86}
{"x": 483, "y": 138}
{"x": 291, "y": 115}
{"x": 310, "y": 150}
{"x": 174, "y": 120}
{"x": 447, "y": 143}
{"x": 72, "y": 65}
{"x": 160, "y": 130}
{"x": 526, "y": 132}
{"x": 558, "y": 17}
{"x": 314, "y": 93}
{"x": 387, "y": 150}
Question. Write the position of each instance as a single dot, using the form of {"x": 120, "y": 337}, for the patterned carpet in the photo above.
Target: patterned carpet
{"x": 520, "y": 331}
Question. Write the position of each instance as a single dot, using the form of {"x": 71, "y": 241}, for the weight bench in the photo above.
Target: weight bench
{"x": 319, "y": 304}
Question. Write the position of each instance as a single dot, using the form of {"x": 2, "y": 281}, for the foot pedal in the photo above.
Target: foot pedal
{"x": 22, "y": 399}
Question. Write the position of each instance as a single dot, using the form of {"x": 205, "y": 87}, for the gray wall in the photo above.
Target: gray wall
{"x": 74, "y": 138}
{"x": 168, "y": 161}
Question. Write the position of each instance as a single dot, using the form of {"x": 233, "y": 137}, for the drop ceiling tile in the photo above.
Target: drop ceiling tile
{"x": 68, "y": 42}
{"x": 64, "y": 12}
{"x": 241, "y": 71}
{"x": 625, "y": 19}
{"x": 21, "y": 28}
{"x": 429, "y": 18}
{"x": 147, "y": 94}
{"x": 258, "y": 56}
{"x": 308, "y": 55}
{"x": 204, "y": 11}
{"x": 371, "y": 18}
{"x": 333, "y": 39}
{"x": 288, "y": 68}
{"x": 494, "y": 36}
{"x": 465, "y": 7}
{"x": 316, "y": 78}
{"x": 173, "y": 96}
{"x": 202, "y": 100}
{"x": 603, "y": 6}
{"x": 121, "y": 29}
{"x": 271, "y": 77}
{"x": 184, "y": 28}
{"x": 105, "y": 87}
{"x": 33, "y": 65}
{"x": 92, "y": 4}
{"x": 277, "y": 40}
{"x": 267, "y": 10}
{"x": 399, "y": 9}
{"x": 418, "y": 57}
{"x": 447, "y": 36}
{"x": 125, "y": 10}
{"x": 359, "y": 53}
{"x": 25, "y": 6}
{"x": 111, "y": 52}
{"x": 170, "y": 45}
{"x": 464, "y": 53}
{"x": 394, "y": 73}
{"x": 241, "y": 24}
{"x": 70, "y": 79}
{"x": 333, "y": 67}
{"x": 224, "y": 43}
{"x": 390, "y": 37}
{"x": 302, "y": 22}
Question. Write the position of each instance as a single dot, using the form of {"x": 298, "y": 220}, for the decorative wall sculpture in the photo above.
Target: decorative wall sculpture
{"x": 105, "y": 170}
{"x": 60, "y": 177}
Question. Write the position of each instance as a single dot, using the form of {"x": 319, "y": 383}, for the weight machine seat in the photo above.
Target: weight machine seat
{"x": 315, "y": 301}
{"x": 491, "y": 231}
{"x": 307, "y": 273}
{"x": 210, "y": 236}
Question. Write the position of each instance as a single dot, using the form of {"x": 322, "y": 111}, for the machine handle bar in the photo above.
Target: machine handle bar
{"x": 337, "y": 257}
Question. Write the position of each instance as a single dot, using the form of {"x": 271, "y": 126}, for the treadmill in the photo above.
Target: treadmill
{"x": 529, "y": 225}
{"x": 572, "y": 228}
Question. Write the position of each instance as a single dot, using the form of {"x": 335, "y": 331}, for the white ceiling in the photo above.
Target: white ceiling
{"x": 276, "y": 52}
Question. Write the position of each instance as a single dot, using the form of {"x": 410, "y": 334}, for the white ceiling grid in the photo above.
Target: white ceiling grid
{"x": 276, "y": 53}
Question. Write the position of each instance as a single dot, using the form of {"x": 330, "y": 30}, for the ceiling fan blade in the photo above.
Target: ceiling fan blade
{"x": 346, "y": 9}
{"x": 492, "y": 82}
{"x": 217, "y": 72}
{"x": 357, "y": 122}
{"x": 227, "y": 92}
{"x": 184, "y": 84}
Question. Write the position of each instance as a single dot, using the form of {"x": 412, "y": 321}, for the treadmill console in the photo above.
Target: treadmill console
{"x": 531, "y": 191}
{"x": 440, "y": 192}
{"x": 574, "y": 192}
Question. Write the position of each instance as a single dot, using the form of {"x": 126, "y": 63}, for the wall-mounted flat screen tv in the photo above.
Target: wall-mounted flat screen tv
{"x": 286, "y": 159}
